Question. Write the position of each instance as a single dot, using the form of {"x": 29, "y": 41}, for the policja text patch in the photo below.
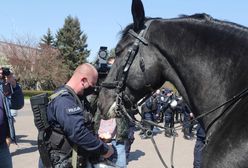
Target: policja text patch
{"x": 73, "y": 110}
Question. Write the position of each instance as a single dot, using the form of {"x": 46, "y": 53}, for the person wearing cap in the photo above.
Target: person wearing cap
{"x": 168, "y": 111}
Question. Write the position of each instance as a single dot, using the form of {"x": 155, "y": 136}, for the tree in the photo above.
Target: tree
{"x": 35, "y": 66}
{"x": 49, "y": 70}
{"x": 47, "y": 39}
{"x": 21, "y": 58}
{"x": 112, "y": 53}
{"x": 71, "y": 42}
{"x": 3, "y": 59}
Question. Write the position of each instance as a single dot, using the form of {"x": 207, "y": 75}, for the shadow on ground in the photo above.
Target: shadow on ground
{"x": 20, "y": 139}
{"x": 135, "y": 155}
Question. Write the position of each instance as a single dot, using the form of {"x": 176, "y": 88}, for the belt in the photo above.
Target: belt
{"x": 108, "y": 140}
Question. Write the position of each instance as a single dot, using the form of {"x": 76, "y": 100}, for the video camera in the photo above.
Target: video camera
{"x": 102, "y": 62}
{"x": 5, "y": 71}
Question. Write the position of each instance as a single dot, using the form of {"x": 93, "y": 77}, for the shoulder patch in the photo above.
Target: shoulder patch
{"x": 73, "y": 110}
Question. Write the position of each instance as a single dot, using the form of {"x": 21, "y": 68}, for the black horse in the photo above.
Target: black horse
{"x": 205, "y": 58}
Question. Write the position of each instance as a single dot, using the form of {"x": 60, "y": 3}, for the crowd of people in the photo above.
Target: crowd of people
{"x": 166, "y": 107}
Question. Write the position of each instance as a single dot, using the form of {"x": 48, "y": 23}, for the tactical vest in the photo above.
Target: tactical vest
{"x": 53, "y": 146}
{"x": 150, "y": 105}
{"x": 165, "y": 103}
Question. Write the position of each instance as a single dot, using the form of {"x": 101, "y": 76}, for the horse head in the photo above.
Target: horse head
{"x": 133, "y": 70}
{"x": 139, "y": 63}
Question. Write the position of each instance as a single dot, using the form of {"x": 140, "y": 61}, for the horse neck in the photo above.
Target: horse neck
{"x": 207, "y": 66}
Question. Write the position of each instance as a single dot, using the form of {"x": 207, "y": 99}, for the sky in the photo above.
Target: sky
{"x": 102, "y": 20}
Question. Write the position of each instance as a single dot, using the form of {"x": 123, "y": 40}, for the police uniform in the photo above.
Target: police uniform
{"x": 187, "y": 125}
{"x": 148, "y": 109}
{"x": 168, "y": 113}
{"x": 199, "y": 144}
{"x": 160, "y": 103}
{"x": 65, "y": 113}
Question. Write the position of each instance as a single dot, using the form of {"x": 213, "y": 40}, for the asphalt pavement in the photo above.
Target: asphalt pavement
{"x": 143, "y": 153}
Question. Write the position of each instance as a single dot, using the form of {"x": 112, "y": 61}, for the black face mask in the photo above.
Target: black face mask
{"x": 89, "y": 91}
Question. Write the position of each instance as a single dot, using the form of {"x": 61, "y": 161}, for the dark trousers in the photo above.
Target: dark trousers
{"x": 169, "y": 118}
{"x": 5, "y": 157}
{"x": 186, "y": 119}
{"x": 150, "y": 117}
{"x": 198, "y": 153}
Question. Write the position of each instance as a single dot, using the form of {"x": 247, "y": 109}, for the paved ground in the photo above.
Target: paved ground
{"x": 143, "y": 154}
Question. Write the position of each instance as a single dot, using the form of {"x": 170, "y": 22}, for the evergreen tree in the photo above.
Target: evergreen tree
{"x": 3, "y": 59}
{"x": 47, "y": 39}
{"x": 112, "y": 53}
{"x": 71, "y": 42}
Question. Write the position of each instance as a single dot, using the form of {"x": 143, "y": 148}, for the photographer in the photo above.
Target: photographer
{"x": 11, "y": 97}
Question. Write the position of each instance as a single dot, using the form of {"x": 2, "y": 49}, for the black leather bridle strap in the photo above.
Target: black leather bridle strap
{"x": 109, "y": 85}
{"x": 138, "y": 36}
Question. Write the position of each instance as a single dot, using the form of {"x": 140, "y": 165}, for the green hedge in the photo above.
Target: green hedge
{"x": 30, "y": 93}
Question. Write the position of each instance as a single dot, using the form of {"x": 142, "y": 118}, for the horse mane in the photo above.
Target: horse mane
{"x": 199, "y": 18}
{"x": 203, "y": 16}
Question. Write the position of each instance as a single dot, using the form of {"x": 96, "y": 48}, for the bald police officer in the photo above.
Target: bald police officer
{"x": 71, "y": 120}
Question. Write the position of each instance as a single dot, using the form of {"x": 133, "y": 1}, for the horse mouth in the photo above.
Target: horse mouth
{"x": 111, "y": 112}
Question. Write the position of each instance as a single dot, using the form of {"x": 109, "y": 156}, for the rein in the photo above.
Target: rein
{"x": 232, "y": 100}
{"x": 123, "y": 110}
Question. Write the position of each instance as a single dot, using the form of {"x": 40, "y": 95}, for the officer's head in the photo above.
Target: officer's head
{"x": 84, "y": 79}
{"x": 111, "y": 60}
{"x": 167, "y": 92}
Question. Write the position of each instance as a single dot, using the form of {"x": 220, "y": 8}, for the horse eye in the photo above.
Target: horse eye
{"x": 116, "y": 54}
{"x": 117, "y": 51}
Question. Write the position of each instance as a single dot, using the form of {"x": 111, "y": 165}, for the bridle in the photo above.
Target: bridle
{"x": 120, "y": 83}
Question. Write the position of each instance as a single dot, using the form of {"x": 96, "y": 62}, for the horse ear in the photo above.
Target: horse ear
{"x": 138, "y": 15}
